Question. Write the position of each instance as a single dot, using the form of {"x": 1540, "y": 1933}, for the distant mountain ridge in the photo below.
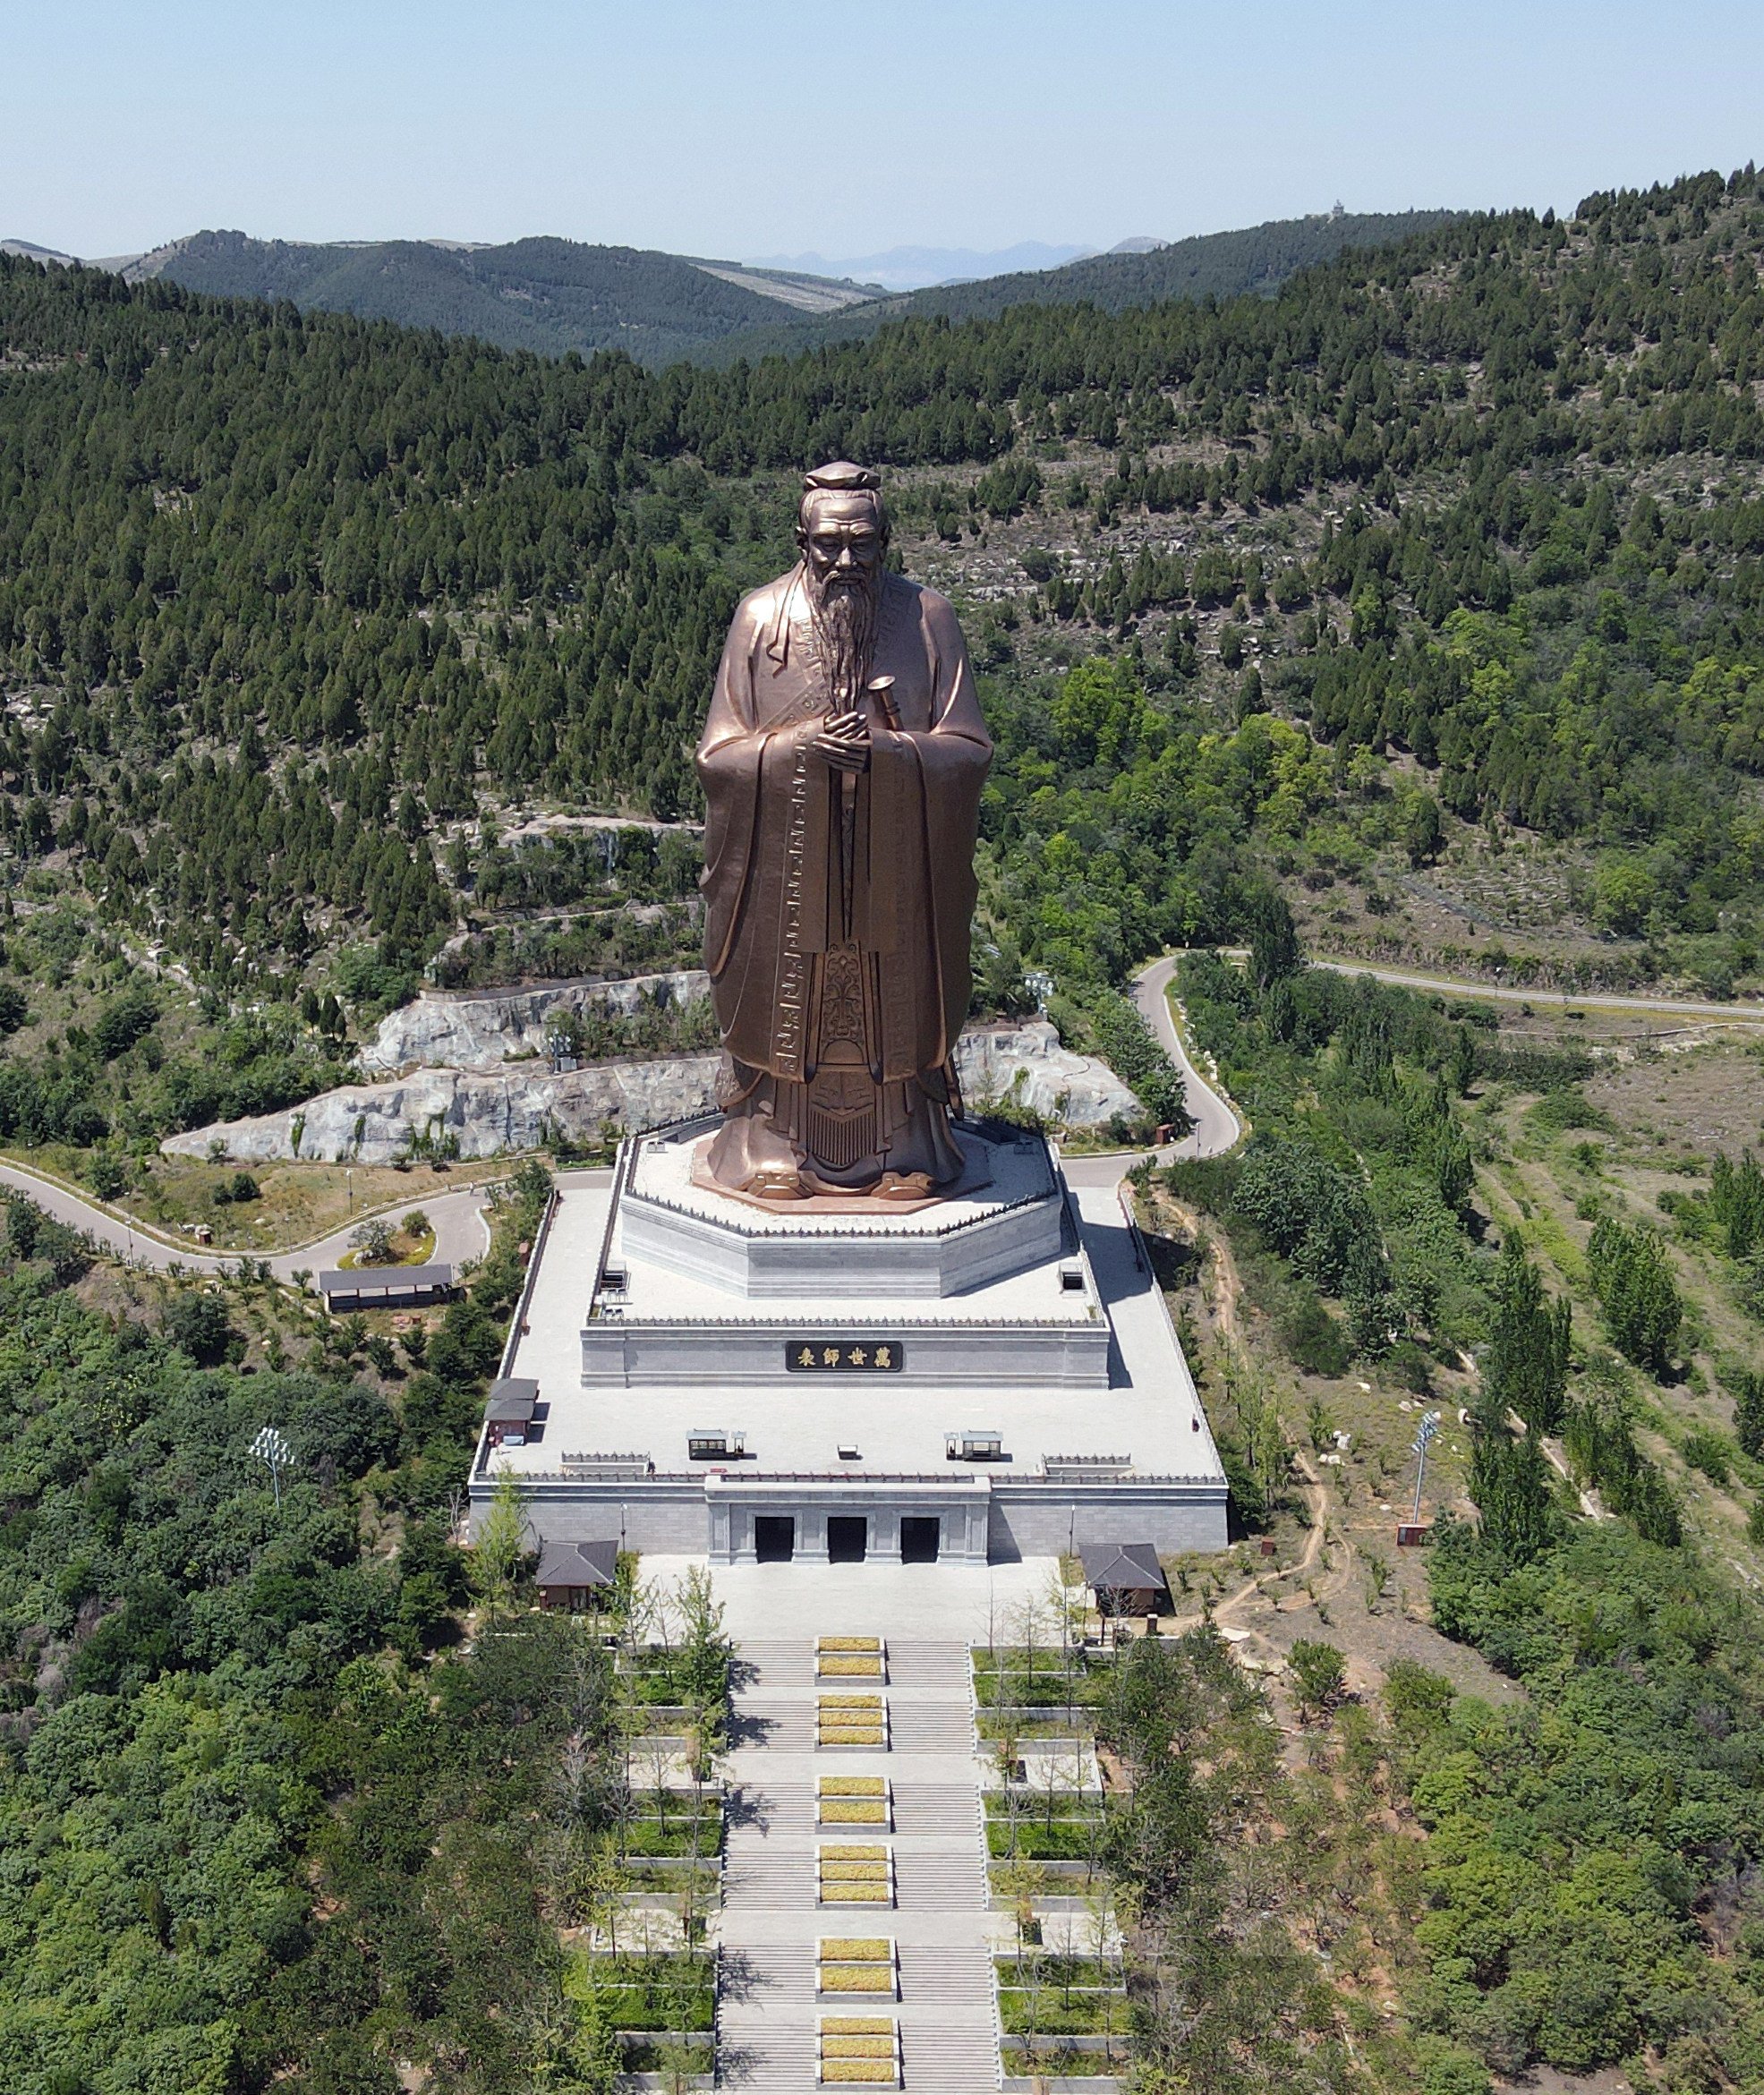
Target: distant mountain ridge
{"x": 546, "y": 295}
{"x": 1257, "y": 259}
{"x": 551, "y": 295}
{"x": 911, "y": 269}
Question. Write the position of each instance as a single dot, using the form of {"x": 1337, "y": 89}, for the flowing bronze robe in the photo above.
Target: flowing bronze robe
{"x": 775, "y": 890}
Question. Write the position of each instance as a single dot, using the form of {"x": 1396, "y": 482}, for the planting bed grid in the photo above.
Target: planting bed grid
{"x": 852, "y": 1720}
{"x": 858, "y": 2051}
{"x": 854, "y": 1799}
{"x": 855, "y": 1874}
{"x": 858, "y": 1964}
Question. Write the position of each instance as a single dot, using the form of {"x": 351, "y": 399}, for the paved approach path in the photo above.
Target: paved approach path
{"x": 461, "y": 1230}
{"x": 940, "y": 1921}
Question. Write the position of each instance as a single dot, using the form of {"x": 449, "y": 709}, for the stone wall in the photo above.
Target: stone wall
{"x": 522, "y": 1105}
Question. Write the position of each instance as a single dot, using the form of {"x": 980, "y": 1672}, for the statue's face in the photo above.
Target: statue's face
{"x": 842, "y": 540}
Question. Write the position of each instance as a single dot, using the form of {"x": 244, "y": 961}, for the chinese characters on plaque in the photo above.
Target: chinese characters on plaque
{"x": 813, "y": 1356}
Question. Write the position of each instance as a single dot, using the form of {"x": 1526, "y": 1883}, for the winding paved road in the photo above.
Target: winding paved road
{"x": 1216, "y": 1127}
{"x": 461, "y": 1232}
{"x": 1749, "y": 1013}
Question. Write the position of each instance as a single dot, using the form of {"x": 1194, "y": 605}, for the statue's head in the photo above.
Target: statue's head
{"x": 842, "y": 527}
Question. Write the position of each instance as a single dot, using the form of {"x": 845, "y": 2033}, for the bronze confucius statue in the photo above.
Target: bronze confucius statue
{"x": 842, "y": 762}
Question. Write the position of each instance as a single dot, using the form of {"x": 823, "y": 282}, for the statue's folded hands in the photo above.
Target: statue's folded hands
{"x": 844, "y": 742}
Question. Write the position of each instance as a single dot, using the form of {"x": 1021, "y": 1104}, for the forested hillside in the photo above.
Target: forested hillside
{"x": 553, "y": 296}
{"x": 1257, "y": 259}
{"x": 295, "y": 609}
{"x": 547, "y": 295}
{"x": 319, "y": 636}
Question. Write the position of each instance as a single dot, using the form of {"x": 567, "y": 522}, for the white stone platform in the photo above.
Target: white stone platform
{"x": 1004, "y": 1217}
{"x": 696, "y": 1290}
{"x": 1070, "y": 1356}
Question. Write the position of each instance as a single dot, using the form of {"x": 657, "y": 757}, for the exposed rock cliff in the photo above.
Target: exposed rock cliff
{"x": 488, "y": 1110}
{"x": 485, "y": 1030}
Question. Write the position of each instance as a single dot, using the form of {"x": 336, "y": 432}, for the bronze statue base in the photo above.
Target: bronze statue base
{"x": 882, "y": 1199}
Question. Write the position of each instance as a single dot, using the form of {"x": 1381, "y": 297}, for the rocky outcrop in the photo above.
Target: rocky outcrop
{"x": 490, "y": 1027}
{"x": 1025, "y": 1065}
{"x": 464, "y": 1112}
{"x": 485, "y": 1113}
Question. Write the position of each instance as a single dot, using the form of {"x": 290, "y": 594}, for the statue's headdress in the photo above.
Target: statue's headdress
{"x": 841, "y": 477}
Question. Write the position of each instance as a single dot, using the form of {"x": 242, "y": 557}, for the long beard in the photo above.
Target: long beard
{"x": 844, "y": 616}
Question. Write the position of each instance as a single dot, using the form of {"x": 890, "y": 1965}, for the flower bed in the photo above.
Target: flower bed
{"x": 850, "y": 1720}
{"x": 856, "y": 1875}
{"x": 853, "y": 1812}
{"x": 859, "y": 2050}
{"x": 857, "y": 1964}
{"x": 1088, "y": 2012}
{"x": 857, "y": 1978}
{"x": 1067, "y": 1840}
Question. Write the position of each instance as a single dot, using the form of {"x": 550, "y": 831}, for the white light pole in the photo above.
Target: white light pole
{"x": 1423, "y": 1441}
{"x": 271, "y": 1448}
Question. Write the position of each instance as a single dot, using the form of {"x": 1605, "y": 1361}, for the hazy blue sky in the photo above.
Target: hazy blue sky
{"x": 731, "y": 128}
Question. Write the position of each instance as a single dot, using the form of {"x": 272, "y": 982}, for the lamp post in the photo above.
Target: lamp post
{"x": 1424, "y": 1438}
{"x": 271, "y": 1448}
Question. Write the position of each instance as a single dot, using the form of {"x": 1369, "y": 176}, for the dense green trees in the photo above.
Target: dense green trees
{"x": 289, "y": 595}
{"x": 1224, "y": 1998}
{"x": 1633, "y": 1278}
{"x": 1525, "y": 1368}
{"x": 1577, "y": 1837}
{"x": 252, "y": 1830}
{"x": 1358, "y": 1175}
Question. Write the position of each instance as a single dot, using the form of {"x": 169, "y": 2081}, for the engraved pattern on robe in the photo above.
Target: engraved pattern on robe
{"x": 917, "y": 816}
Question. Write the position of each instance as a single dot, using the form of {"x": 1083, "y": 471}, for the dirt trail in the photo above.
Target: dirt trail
{"x": 1326, "y": 1591}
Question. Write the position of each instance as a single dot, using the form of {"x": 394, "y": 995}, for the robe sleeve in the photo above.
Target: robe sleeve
{"x": 925, "y": 806}
{"x": 728, "y": 768}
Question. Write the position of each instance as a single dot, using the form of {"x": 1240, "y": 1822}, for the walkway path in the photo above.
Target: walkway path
{"x": 772, "y": 1924}
{"x": 1216, "y": 1126}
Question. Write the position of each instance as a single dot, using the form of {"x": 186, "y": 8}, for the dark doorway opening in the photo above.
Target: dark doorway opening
{"x": 920, "y": 1534}
{"x": 848, "y": 1539}
{"x": 774, "y": 1537}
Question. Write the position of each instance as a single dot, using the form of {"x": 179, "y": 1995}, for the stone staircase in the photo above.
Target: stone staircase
{"x": 768, "y": 2010}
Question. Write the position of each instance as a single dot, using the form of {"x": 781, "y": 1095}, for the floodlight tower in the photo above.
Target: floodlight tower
{"x": 1423, "y": 1441}
{"x": 271, "y": 1448}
